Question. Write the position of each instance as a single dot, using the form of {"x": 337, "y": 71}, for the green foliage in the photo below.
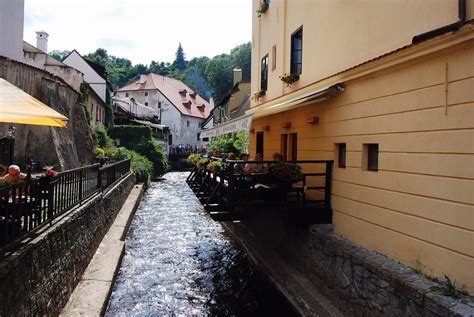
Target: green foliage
{"x": 202, "y": 163}
{"x": 142, "y": 167}
{"x": 102, "y": 138}
{"x": 99, "y": 152}
{"x": 205, "y": 75}
{"x": 180, "y": 61}
{"x": 139, "y": 139}
{"x": 193, "y": 158}
{"x": 59, "y": 55}
{"x": 129, "y": 135}
{"x": 286, "y": 171}
{"x": 448, "y": 288}
{"x": 215, "y": 167}
{"x": 154, "y": 152}
{"x": 236, "y": 143}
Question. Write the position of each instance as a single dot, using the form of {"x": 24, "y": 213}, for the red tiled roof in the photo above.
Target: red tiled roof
{"x": 181, "y": 96}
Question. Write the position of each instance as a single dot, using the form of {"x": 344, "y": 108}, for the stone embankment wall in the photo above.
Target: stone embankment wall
{"x": 39, "y": 278}
{"x": 48, "y": 145}
{"x": 319, "y": 270}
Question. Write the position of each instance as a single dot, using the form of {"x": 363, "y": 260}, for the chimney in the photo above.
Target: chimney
{"x": 42, "y": 41}
{"x": 237, "y": 75}
{"x": 142, "y": 79}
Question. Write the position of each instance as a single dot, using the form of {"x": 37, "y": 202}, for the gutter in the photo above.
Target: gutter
{"x": 444, "y": 29}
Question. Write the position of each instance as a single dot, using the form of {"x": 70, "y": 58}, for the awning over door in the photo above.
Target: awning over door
{"x": 242, "y": 123}
{"x": 314, "y": 96}
{"x": 16, "y": 106}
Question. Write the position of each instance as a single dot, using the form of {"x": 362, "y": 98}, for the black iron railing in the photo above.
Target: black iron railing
{"x": 233, "y": 188}
{"x": 27, "y": 206}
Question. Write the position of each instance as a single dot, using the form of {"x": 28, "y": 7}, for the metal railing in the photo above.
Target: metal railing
{"x": 27, "y": 206}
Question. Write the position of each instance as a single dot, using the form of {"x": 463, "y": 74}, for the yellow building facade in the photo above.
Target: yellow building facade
{"x": 401, "y": 133}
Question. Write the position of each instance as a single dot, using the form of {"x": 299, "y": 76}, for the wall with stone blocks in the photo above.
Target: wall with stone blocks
{"x": 354, "y": 280}
{"x": 39, "y": 278}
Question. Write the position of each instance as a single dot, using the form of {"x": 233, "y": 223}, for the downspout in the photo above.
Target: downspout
{"x": 447, "y": 28}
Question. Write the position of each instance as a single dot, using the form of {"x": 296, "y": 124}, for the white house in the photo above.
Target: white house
{"x": 180, "y": 108}
{"x": 94, "y": 74}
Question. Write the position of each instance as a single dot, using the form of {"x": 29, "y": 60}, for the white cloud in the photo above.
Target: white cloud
{"x": 141, "y": 30}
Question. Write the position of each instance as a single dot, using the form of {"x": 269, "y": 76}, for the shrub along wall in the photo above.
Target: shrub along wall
{"x": 39, "y": 278}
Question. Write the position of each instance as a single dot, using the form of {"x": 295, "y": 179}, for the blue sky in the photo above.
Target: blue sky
{"x": 141, "y": 30}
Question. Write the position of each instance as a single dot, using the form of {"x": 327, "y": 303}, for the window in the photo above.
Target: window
{"x": 260, "y": 142}
{"x": 370, "y": 157}
{"x": 264, "y": 73}
{"x": 170, "y": 139}
{"x": 274, "y": 57}
{"x": 146, "y": 104}
{"x": 126, "y": 94}
{"x": 159, "y": 104}
{"x": 284, "y": 146}
{"x": 187, "y": 123}
{"x": 289, "y": 146}
{"x": 146, "y": 94}
{"x": 341, "y": 155}
{"x": 293, "y": 146}
{"x": 297, "y": 51}
{"x": 198, "y": 136}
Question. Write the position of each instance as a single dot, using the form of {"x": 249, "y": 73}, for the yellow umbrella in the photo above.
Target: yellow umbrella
{"x": 16, "y": 106}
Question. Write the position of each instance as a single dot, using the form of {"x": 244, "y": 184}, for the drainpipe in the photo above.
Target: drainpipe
{"x": 447, "y": 28}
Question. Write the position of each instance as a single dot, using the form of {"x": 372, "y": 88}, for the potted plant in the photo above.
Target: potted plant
{"x": 202, "y": 163}
{"x": 258, "y": 95}
{"x": 262, "y": 8}
{"x": 288, "y": 80}
{"x": 193, "y": 158}
{"x": 215, "y": 167}
{"x": 286, "y": 172}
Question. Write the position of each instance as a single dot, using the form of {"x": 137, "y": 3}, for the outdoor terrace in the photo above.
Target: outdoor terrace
{"x": 298, "y": 191}
{"x": 28, "y": 206}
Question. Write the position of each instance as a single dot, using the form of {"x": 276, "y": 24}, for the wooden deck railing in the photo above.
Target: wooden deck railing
{"x": 27, "y": 206}
{"x": 231, "y": 192}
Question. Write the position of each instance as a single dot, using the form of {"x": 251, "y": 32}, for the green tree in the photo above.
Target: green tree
{"x": 219, "y": 75}
{"x": 241, "y": 58}
{"x": 180, "y": 61}
{"x": 59, "y": 55}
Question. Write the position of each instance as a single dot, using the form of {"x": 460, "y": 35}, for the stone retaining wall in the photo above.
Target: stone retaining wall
{"x": 309, "y": 262}
{"x": 39, "y": 278}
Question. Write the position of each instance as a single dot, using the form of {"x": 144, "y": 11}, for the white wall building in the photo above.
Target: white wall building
{"x": 92, "y": 76}
{"x": 11, "y": 28}
{"x": 180, "y": 108}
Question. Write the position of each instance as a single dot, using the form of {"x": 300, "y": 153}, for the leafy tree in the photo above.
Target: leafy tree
{"x": 59, "y": 55}
{"x": 241, "y": 58}
{"x": 219, "y": 75}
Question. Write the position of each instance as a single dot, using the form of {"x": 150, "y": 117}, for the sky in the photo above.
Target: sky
{"x": 140, "y": 30}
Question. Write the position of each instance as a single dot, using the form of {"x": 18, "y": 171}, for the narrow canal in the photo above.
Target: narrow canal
{"x": 179, "y": 262}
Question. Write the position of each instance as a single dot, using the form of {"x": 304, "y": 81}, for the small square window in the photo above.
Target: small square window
{"x": 370, "y": 157}
{"x": 146, "y": 104}
{"x": 146, "y": 94}
{"x": 159, "y": 104}
{"x": 341, "y": 155}
{"x": 187, "y": 123}
{"x": 126, "y": 94}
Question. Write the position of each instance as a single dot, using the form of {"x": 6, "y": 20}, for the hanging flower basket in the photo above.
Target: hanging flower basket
{"x": 262, "y": 8}
{"x": 258, "y": 95}
{"x": 288, "y": 80}
{"x": 215, "y": 167}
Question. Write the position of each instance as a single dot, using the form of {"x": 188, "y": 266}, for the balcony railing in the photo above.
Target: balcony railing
{"x": 231, "y": 194}
{"x": 27, "y": 206}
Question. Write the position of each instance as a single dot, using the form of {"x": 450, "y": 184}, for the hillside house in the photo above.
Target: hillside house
{"x": 180, "y": 108}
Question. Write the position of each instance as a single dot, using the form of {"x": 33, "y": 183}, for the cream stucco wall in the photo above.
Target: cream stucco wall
{"x": 11, "y": 28}
{"x": 339, "y": 34}
{"x": 419, "y": 207}
{"x": 418, "y": 105}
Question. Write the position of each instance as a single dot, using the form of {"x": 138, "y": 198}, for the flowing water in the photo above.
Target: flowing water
{"x": 179, "y": 262}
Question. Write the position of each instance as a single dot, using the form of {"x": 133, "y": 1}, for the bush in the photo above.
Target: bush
{"x": 237, "y": 143}
{"x": 139, "y": 139}
{"x": 103, "y": 139}
{"x": 141, "y": 166}
{"x": 154, "y": 152}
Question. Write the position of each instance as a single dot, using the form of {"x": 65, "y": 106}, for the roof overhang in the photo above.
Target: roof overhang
{"x": 242, "y": 123}
{"x": 311, "y": 97}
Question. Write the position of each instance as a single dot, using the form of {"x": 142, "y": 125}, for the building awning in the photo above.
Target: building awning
{"x": 16, "y": 106}
{"x": 314, "y": 96}
{"x": 154, "y": 125}
{"x": 238, "y": 124}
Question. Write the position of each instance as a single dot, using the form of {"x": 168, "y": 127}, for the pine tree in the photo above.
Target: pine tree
{"x": 180, "y": 62}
